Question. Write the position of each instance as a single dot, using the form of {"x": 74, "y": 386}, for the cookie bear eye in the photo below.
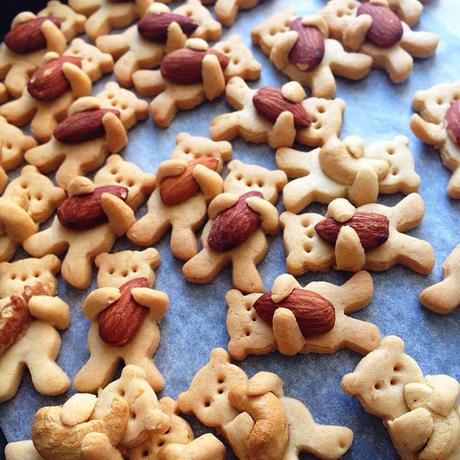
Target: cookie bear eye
{"x": 130, "y": 183}
{"x": 134, "y": 268}
{"x": 124, "y": 273}
{"x": 249, "y": 182}
{"x": 397, "y": 367}
{"x": 207, "y": 403}
{"x": 114, "y": 171}
{"x": 111, "y": 271}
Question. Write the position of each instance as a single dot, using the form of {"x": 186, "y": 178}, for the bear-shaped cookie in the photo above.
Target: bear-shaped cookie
{"x": 72, "y": 23}
{"x": 227, "y": 10}
{"x": 408, "y": 10}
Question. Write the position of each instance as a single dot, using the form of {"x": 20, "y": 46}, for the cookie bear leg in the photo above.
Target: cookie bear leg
{"x": 163, "y": 109}
{"x": 245, "y": 275}
{"x": 11, "y": 371}
{"x": 125, "y": 67}
{"x": 154, "y": 376}
{"x": 183, "y": 242}
{"x": 323, "y": 83}
{"x": 225, "y": 127}
{"x": 453, "y": 189}
{"x": 149, "y": 228}
{"x": 204, "y": 267}
{"x": 442, "y": 297}
{"x": 97, "y": 446}
{"x": 96, "y": 373}
{"x": 398, "y": 63}
{"x": 226, "y": 11}
{"x": 354, "y": 66}
{"x": 44, "y": 157}
{"x": 17, "y": 78}
{"x": 97, "y": 25}
{"x": 43, "y": 125}
{"x": 20, "y": 111}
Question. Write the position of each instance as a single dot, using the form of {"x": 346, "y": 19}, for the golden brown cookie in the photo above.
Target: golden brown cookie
{"x": 72, "y": 23}
{"x": 408, "y": 10}
{"x": 227, "y": 10}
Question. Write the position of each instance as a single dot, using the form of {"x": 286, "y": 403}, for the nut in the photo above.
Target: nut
{"x": 386, "y": 29}
{"x": 177, "y": 189}
{"x": 314, "y": 314}
{"x": 48, "y": 82}
{"x": 453, "y": 122}
{"x": 270, "y": 103}
{"x": 15, "y": 317}
{"x": 80, "y": 212}
{"x": 234, "y": 225}
{"x": 28, "y": 36}
{"x": 83, "y": 126}
{"x": 119, "y": 323}
{"x": 308, "y": 51}
{"x": 372, "y": 229}
{"x": 154, "y": 27}
{"x": 183, "y": 66}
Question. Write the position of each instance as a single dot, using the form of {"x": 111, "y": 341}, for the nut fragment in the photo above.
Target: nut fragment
{"x": 154, "y": 27}
{"x": 453, "y": 122}
{"x": 308, "y": 51}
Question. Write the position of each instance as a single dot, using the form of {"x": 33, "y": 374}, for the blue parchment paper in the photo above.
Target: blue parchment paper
{"x": 376, "y": 110}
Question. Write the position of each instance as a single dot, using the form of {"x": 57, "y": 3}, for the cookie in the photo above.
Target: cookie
{"x": 23, "y": 56}
{"x": 408, "y": 10}
{"x": 143, "y": 45}
{"x": 85, "y": 237}
{"x": 3, "y": 93}
{"x": 374, "y": 29}
{"x": 282, "y": 117}
{"x": 205, "y": 447}
{"x": 437, "y": 123}
{"x": 300, "y": 47}
{"x": 72, "y": 23}
{"x": 30, "y": 317}
{"x": 186, "y": 184}
{"x": 190, "y": 76}
{"x": 227, "y": 10}
{"x": 420, "y": 412}
{"x": 370, "y": 237}
{"x": 347, "y": 169}
{"x": 260, "y": 323}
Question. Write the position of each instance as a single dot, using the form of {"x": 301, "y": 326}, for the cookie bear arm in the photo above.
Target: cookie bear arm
{"x": 268, "y": 214}
{"x": 99, "y": 300}
{"x": 52, "y": 310}
{"x": 209, "y": 181}
{"x": 157, "y": 301}
{"x": 80, "y": 83}
{"x": 120, "y": 215}
{"x": 115, "y": 133}
{"x": 55, "y": 39}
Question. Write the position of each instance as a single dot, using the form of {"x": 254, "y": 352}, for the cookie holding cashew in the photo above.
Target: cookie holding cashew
{"x": 374, "y": 29}
{"x": 278, "y": 117}
{"x": 300, "y": 47}
{"x": 348, "y": 238}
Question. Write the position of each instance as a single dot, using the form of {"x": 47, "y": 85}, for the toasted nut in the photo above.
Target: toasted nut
{"x": 154, "y": 27}
{"x": 453, "y": 122}
{"x": 308, "y": 51}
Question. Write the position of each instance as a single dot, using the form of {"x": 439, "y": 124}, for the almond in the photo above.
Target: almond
{"x": 119, "y": 323}
{"x": 453, "y": 122}
{"x": 15, "y": 317}
{"x": 82, "y": 126}
{"x": 314, "y": 314}
{"x": 81, "y": 212}
{"x": 48, "y": 82}
{"x": 154, "y": 27}
{"x": 373, "y": 229}
{"x": 28, "y": 36}
{"x": 234, "y": 225}
{"x": 183, "y": 66}
{"x": 270, "y": 103}
{"x": 386, "y": 29}
{"x": 177, "y": 189}
{"x": 308, "y": 51}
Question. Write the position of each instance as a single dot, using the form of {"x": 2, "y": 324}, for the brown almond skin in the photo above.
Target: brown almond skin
{"x": 82, "y": 126}
{"x": 154, "y": 27}
{"x": 452, "y": 118}
{"x": 81, "y": 212}
{"x": 28, "y": 37}
{"x": 177, "y": 189}
{"x": 119, "y": 323}
{"x": 270, "y": 103}
{"x": 315, "y": 315}
{"x": 48, "y": 82}
{"x": 234, "y": 225}
{"x": 373, "y": 229}
{"x": 386, "y": 29}
{"x": 308, "y": 51}
{"x": 183, "y": 66}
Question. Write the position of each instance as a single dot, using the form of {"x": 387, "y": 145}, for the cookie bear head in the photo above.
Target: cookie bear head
{"x": 118, "y": 268}
{"x": 379, "y": 379}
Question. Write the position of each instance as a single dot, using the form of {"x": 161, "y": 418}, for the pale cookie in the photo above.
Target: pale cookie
{"x": 444, "y": 297}
{"x": 370, "y": 237}
{"x": 81, "y": 142}
{"x": 52, "y": 88}
{"x": 16, "y": 67}
{"x": 190, "y": 76}
{"x": 300, "y": 47}
{"x": 250, "y": 333}
{"x": 82, "y": 240}
{"x": 227, "y": 10}
{"x": 420, "y": 412}
{"x": 347, "y": 169}
{"x": 13, "y": 145}
{"x": 439, "y": 125}
{"x": 124, "y": 281}
{"x": 186, "y": 184}
{"x": 72, "y": 23}
{"x": 322, "y": 119}
{"x": 373, "y": 29}
{"x": 206, "y": 447}
{"x": 30, "y": 316}
{"x": 28, "y": 200}
{"x": 408, "y": 10}
{"x": 140, "y": 48}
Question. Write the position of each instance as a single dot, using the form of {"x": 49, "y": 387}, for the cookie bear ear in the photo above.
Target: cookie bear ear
{"x": 184, "y": 402}
{"x": 235, "y": 164}
{"x": 52, "y": 263}
{"x": 280, "y": 178}
{"x": 100, "y": 258}
{"x": 219, "y": 355}
{"x": 392, "y": 342}
{"x": 4, "y": 267}
{"x": 351, "y": 384}
{"x": 152, "y": 257}
{"x": 182, "y": 137}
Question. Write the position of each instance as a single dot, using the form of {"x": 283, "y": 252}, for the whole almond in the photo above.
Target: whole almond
{"x": 80, "y": 212}
{"x": 373, "y": 229}
{"x": 314, "y": 314}
{"x": 82, "y": 126}
{"x": 453, "y": 122}
{"x": 386, "y": 29}
{"x": 308, "y": 51}
{"x": 183, "y": 66}
{"x": 177, "y": 189}
{"x": 48, "y": 82}
{"x": 270, "y": 103}
{"x": 234, "y": 225}
{"x": 28, "y": 36}
{"x": 119, "y": 323}
{"x": 154, "y": 27}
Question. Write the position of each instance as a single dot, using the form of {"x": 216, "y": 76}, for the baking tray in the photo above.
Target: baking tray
{"x": 195, "y": 323}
